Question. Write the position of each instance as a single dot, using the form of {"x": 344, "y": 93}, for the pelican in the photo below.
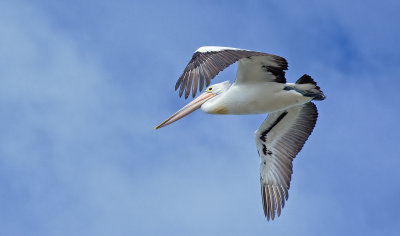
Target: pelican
{"x": 260, "y": 87}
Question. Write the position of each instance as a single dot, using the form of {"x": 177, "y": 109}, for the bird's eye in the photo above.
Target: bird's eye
{"x": 209, "y": 89}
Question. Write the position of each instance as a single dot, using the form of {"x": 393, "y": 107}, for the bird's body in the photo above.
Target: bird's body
{"x": 254, "y": 98}
{"x": 260, "y": 87}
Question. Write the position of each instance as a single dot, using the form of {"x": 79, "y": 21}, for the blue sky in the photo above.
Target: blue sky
{"x": 83, "y": 83}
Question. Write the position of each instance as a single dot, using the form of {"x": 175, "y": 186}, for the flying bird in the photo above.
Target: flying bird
{"x": 260, "y": 87}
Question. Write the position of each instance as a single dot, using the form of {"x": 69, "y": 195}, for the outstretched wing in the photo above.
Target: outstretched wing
{"x": 279, "y": 139}
{"x": 266, "y": 68}
{"x": 207, "y": 62}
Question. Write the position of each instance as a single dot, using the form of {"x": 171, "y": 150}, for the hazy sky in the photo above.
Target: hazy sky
{"x": 83, "y": 83}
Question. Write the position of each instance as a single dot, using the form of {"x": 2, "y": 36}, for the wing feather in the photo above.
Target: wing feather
{"x": 271, "y": 201}
{"x": 195, "y": 80}
{"x": 203, "y": 75}
{"x": 183, "y": 84}
{"x": 189, "y": 83}
{"x": 278, "y": 140}
{"x": 207, "y": 62}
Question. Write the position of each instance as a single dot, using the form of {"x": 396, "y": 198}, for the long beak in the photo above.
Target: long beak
{"x": 186, "y": 110}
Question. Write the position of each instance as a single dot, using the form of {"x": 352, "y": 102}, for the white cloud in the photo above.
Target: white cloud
{"x": 58, "y": 131}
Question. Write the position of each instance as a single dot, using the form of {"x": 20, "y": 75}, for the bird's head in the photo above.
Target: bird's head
{"x": 211, "y": 92}
{"x": 219, "y": 88}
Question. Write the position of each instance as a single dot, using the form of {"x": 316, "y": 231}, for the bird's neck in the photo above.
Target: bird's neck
{"x": 215, "y": 106}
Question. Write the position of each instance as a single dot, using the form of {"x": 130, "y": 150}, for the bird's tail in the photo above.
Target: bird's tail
{"x": 309, "y": 88}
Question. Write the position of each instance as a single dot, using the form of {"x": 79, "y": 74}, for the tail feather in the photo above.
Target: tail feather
{"x": 306, "y": 79}
{"x": 309, "y": 88}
